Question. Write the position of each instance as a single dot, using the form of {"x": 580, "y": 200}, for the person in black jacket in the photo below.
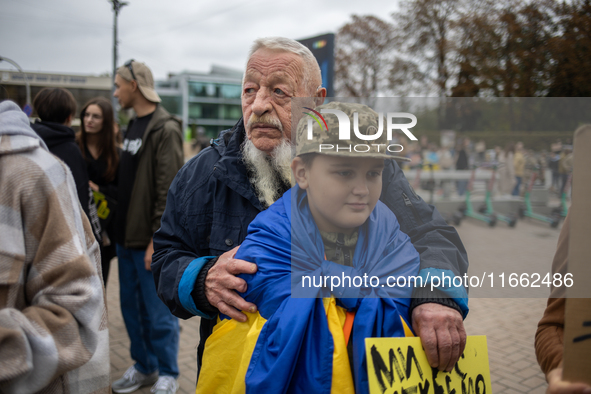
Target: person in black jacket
{"x": 56, "y": 108}
{"x": 97, "y": 142}
{"x": 462, "y": 163}
{"x": 216, "y": 195}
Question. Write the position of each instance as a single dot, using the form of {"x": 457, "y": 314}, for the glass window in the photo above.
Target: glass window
{"x": 231, "y": 91}
{"x": 203, "y": 89}
{"x": 172, "y": 104}
{"x": 210, "y": 111}
{"x": 195, "y": 111}
{"x": 211, "y": 90}
{"x": 204, "y": 111}
{"x": 230, "y": 112}
{"x": 196, "y": 89}
{"x": 200, "y": 89}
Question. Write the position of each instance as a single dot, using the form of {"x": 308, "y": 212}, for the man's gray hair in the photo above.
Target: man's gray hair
{"x": 312, "y": 69}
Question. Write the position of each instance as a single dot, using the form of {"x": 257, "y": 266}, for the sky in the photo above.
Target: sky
{"x": 76, "y": 36}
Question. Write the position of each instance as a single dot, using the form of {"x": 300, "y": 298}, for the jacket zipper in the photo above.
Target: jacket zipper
{"x": 408, "y": 203}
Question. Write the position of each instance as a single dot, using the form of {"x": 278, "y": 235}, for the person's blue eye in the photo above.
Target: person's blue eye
{"x": 278, "y": 91}
{"x": 345, "y": 173}
{"x": 374, "y": 174}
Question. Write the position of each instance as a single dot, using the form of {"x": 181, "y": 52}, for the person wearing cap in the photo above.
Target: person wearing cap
{"x": 218, "y": 193}
{"x": 331, "y": 223}
{"x": 150, "y": 157}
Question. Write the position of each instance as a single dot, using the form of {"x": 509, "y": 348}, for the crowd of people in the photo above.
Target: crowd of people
{"x": 121, "y": 183}
{"x": 515, "y": 163}
{"x": 214, "y": 239}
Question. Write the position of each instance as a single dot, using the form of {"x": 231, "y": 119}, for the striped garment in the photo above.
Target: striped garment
{"x": 53, "y": 320}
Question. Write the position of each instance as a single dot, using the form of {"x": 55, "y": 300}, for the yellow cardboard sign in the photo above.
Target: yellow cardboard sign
{"x": 399, "y": 365}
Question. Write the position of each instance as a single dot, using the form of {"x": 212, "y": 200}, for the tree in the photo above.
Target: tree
{"x": 504, "y": 50}
{"x": 477, "y": 48}
{"x": 571, "y": 50}
{"x": 363, "y": 57}
{"x": 425, "y": 35}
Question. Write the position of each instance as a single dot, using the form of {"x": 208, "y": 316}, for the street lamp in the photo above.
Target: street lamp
{"x": 27, "y": 109}
{"x": 117, "y": 5}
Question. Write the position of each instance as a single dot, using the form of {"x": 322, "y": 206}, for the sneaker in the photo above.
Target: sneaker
{"x": 132, "y": 380}
{"x": 165, "y": 385}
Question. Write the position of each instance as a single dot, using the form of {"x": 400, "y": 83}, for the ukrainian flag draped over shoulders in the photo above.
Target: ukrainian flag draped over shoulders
{"x": 296, "y": 345}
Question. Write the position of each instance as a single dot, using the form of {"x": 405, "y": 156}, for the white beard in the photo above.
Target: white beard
{"x": 267, "y": 171}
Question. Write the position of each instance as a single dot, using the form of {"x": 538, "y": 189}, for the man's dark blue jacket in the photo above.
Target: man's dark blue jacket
{"x": 211, "y": 202}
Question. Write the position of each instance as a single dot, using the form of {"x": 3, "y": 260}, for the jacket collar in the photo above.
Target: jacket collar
{"x": 230, "y": 168}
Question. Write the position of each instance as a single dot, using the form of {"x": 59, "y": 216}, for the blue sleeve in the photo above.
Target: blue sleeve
{"x": 187, "y": 283}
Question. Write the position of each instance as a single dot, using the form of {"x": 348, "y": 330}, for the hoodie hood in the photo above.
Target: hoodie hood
{"x": 14, "y": 122}
{"x": 54, "y": 133}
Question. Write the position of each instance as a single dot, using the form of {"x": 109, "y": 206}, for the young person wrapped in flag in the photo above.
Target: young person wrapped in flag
{"x": 308, "y": 337}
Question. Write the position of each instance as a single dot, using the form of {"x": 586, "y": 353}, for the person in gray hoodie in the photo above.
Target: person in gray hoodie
{"x": 53, "y": 318}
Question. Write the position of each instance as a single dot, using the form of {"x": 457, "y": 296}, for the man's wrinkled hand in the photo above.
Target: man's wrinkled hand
{"x": 221, "y": 285}
{"x": 558, "y": 386}
{"x": 442, "y": 334}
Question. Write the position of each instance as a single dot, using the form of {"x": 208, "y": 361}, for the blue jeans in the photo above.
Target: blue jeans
{"x": 517, "y": 186}
{"x": 153, "y": 331}
{"x": 461, "y": 187}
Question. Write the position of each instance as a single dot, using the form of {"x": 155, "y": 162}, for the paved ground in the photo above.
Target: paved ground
{"x": 120, "y": 359}
{"x": 508, "y": 323}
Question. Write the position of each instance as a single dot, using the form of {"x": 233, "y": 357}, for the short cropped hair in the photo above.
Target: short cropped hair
{"x": 54, "y": 105}
{"x": 312, "y": 73}
{"x": 308, "y": 158}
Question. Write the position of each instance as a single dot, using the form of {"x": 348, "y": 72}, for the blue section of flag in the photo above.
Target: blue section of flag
{"x": 294, "y": 350}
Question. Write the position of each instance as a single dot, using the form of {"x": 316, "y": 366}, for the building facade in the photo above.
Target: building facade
{"x": 207, "y": 103}
{"x": 83, "y": 87}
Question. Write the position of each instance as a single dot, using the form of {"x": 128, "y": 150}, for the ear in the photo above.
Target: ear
{"x": 320, "y": 95}
{"x": 300, "y": 172}
{"x": 133, "y": 86}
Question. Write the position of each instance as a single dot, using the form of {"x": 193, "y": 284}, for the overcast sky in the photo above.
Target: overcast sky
{"x": 76, "y": 36}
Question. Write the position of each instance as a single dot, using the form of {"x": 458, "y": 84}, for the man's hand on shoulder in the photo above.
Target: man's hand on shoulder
{"x": 221, "y": 285}
{"x": 442, "y": 334}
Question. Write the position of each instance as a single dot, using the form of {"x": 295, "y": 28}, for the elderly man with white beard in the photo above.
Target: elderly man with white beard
{"x": 218, "y": 193}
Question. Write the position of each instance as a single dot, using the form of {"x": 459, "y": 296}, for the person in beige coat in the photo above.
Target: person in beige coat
{"x": 53, "y": 321}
